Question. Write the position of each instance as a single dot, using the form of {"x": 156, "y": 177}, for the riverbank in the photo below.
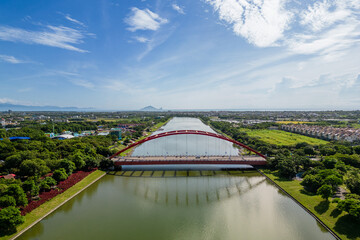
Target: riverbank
{"x": 152, "y": 129}
{"x": 48, "y": 207}
{"x": 339, "y": 222}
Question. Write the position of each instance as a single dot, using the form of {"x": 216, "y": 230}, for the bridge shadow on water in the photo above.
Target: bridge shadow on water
{"x": 189, "y": 188}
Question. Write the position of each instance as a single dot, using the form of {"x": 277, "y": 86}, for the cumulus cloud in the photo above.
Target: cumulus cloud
{"x": 144, "y": 20}
{"x": 178, "y": 8}
{"x": 261, "y": 22}
{"x": 53, "y": 36}
{"x": 326, "y": 27}
{"x": 10, "y": 59}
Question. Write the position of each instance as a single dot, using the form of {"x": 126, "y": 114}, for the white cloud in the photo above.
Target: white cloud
{"x": 144, "y": 20}
{"x": 335, "y": 39}
{"x": 178, "y": 8}
{"x": 10, "y": 59}
{"x": 82, "y": 83}
{"x": 331, "y": 27}
{"x": 324, "y": 14}
{"x": 141, "y": 39}
{"x": 73, "y": 20}
{"x": 9, "y": 100}
{"x": 53, "y": 36}
{"x": 261, "y": 22}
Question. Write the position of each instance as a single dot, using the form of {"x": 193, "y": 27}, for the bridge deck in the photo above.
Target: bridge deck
{"x": 145, "y": 160}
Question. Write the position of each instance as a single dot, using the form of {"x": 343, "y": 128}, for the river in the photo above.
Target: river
{"x": 193, "y": 205}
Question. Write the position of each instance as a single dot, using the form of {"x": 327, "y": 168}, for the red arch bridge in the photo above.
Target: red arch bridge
{"x": 257, "y": 159}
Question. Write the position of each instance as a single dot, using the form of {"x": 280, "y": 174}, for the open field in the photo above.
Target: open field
{"x": 342, "y": 224}
{"x": 48, "y": 206}
{"x": 279, "y": 137}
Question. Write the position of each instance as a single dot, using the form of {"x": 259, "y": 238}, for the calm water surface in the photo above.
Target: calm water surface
{"x": 217, "y": 205}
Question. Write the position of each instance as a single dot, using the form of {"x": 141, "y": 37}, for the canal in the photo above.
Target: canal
{"x": 191, "y": 205}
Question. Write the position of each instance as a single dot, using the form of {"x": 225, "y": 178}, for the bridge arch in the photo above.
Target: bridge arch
{"x": 189, "y": 132}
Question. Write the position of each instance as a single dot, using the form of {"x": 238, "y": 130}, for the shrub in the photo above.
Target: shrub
{"x": 7, "y": 201}
{"x": 60, "y": 175}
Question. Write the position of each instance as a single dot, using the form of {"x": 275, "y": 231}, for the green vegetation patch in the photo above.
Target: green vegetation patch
{"x": 340, "y": 222}
{"x": 56, "y": 201}
{"x": 282, "y": 138}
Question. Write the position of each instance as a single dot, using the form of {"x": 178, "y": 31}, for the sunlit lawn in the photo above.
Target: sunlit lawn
{"x": 344, "y": 225}
{"x": 279, "y": 137}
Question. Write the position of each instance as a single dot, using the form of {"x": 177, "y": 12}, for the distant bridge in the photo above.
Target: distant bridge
{"x": 257, "y": 159}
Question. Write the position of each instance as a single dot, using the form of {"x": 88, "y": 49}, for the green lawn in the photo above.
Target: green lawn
{"x": 280, "y": 137}
{"x": 341, "y": 223}
{"x": 56, "y": 201}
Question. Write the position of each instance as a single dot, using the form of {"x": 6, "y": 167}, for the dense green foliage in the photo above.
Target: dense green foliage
{"x": 60, "y": 175}
{"x": 351, "y": 205}
{"x": 325, "y": 191}
{"x": 7, "y": 201}
{"x": 9, "y": 218}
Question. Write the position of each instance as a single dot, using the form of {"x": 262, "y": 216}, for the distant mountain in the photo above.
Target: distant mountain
{"x": 13, "y": 107}
{"x": 151, "y": 109}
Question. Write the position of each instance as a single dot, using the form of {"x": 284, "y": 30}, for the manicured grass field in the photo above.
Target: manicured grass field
{"x": 280, "y": 137}
{"x": 56, "y": 201}
{"x": 342, "y": 224}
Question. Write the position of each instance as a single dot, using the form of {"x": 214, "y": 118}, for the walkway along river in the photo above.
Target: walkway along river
{"x": 180, "y": 204}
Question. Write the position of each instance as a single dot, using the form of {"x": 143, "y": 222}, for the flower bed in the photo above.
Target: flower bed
{"x": 61, "y": 187}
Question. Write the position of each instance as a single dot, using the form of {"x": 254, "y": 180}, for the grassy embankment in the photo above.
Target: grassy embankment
{"x": 342, "y": 224}
{"x": 152, "y": 129}
{"x": 54, "y": 203}
{"x": 282, "y": 138}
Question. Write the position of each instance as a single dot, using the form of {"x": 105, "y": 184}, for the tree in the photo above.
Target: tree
{"x": 106, "y": 163}
{"x": 309, "y": 150}
{"x": 33, "y": 167}
{"x": 30, "y": 187}
{"x": 7, "y": 201}
{"x": 60, "y": 175}
{"x": 327, "y": 151}
{"x": 356, "y": 149}
{"x": 78, "y": 159}
{"x": 287, "y": 168}
{"x": 353, "y": 181}
{"x": 333, "y": 181}
{"x": 312, "y": 182}
{"x": 10, "y": 217}
{"x": 69, "y": 166}
{"x": 91, "y": 162}
{"x": 325, "y": 191}
{"x": 50, "y": 181}
{"x": 350, "y": 205}
{"x": 330, "y": 162}
{"x": 17, "y": 193}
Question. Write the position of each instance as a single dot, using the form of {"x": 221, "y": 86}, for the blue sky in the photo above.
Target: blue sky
{"x": 185, "y": 54}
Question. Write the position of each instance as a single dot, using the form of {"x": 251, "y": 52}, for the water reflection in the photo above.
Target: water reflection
{"x": 184, "y": 191}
